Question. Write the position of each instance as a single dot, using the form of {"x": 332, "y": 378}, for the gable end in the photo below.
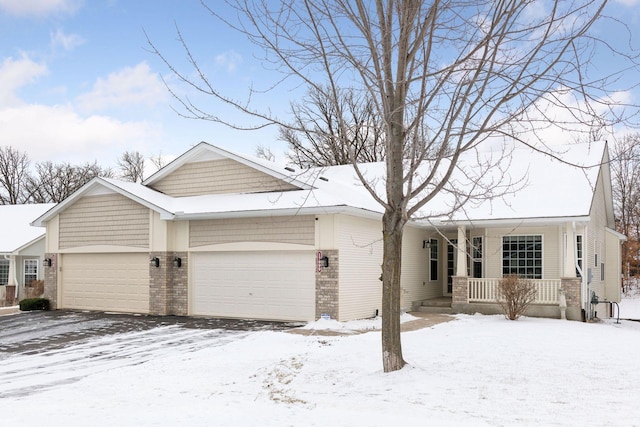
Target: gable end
{"x": 218, "y": 177}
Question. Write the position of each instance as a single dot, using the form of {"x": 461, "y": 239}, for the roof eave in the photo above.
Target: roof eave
{"x": 320, "y": 210}
{"x": 498, "y": 222}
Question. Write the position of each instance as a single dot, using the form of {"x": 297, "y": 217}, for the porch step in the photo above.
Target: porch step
{"x": 436, "y": 305}
{"x": 435, "y": 310}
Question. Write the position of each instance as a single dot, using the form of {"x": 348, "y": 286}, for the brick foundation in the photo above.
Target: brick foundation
{"x": 168, "y": 284}
{"x": 51, "y": 281}
{"x": 327, "y": 286}
{"x": 460, "y": 292}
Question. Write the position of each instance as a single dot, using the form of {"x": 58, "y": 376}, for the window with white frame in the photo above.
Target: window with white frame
{"x": 433, "y": 259}
{"x": 522, "y": 256}
{"x": 30, "y": 270}
{"x": 4, "y": 271}
{"x": 476, "y": 252}
{"x": 579, "y": 255}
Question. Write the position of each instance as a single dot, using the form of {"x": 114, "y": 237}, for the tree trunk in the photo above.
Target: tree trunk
{"x": 392, "y": 230}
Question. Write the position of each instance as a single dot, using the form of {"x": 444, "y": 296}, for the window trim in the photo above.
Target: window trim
{"x": 433, "y": 262}
{"x": 36, "y": 263}
{"x": 502, "y": 258}
{"x": 477, "y": 260}
{"x": 2, "y": 261}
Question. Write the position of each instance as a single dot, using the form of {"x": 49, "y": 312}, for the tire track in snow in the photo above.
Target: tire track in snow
{"x": 25, "y": 374}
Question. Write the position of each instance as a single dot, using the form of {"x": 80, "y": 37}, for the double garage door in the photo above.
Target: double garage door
{"x": 276, "y": 285}
{"x": 105, "y": 282}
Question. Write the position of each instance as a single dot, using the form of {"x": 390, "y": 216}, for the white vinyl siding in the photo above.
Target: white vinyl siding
{"x": 108, "y": 219}
{"x": 218, "y": 177}
{"x": 415, "y": 269}
{"x": 360, "y": 248}
{"x": 273, "y": 285}
{"x": 105, "y": 282}
{"x": 289, "y": 229}
{"x": 595, "y": 243}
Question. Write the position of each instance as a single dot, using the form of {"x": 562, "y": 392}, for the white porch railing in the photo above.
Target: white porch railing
{"x": 486, "y": 290}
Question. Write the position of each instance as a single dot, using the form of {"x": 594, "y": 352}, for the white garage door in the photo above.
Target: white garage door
{"x": 106, "y": 282}
{"x": 254, "y": 285}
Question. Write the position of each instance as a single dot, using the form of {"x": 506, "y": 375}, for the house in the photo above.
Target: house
{"x": 216, "y": 233}
{"x": 21, "y": 249}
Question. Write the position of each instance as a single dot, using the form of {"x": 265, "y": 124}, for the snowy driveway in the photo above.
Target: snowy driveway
{"x": 41, "y": 350}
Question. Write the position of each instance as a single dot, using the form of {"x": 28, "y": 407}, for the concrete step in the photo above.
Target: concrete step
{"x": 436, "y": 302}
{"x": 435, "y": 309}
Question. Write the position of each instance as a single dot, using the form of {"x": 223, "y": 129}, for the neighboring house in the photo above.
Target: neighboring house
{"x": 21, "y": 249}
{"x": 221, "y": 234}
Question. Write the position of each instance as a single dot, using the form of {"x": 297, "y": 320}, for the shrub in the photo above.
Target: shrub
{"x": 515, "y": 295}
{"x": 29, "y": 304}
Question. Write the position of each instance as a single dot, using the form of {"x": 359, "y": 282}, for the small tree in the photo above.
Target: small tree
{"x": 515, "y": 294}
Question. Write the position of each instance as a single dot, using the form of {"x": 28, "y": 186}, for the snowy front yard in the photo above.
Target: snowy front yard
{"x": 476, "y": 370}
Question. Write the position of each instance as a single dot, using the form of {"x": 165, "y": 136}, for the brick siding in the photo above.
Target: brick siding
{"x": 327, "y": 286}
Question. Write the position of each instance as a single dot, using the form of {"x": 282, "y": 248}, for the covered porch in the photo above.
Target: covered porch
{"x": 473, "y": 262}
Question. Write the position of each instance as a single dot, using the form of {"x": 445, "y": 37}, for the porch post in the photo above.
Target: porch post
{"x": 570, "y": 252}
{"x": 461, "y": 270}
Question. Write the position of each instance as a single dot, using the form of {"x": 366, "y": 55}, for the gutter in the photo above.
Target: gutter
{"x": 503, "y": 221}
{"x": 340, "y": 209}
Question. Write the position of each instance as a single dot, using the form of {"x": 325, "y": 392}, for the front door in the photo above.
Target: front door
{"x": 452, "y": 262}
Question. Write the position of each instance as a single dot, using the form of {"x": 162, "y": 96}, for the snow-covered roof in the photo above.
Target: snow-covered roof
{"x": 544, "y": 187}
{"x": 15, "y": 230}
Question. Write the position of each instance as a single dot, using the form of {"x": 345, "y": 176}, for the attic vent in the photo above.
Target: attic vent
{"x": 289, "y": 169}
{"x": 324, "y": 179}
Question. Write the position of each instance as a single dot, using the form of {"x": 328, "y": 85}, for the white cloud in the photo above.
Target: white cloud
{"x": 16, "y": 73}
{"x": 229, "y": 60}
{"x": 39, "y": 8}
{"x": 129, "y": 86}
{"x": 628, "y": 3}
{"x": 60, "y": 134}
{"x": 65, "y": 41}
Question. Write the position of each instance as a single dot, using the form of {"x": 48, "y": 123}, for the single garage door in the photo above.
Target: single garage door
{"x": 106, "y": 282}
{"x": 274, "y": 285}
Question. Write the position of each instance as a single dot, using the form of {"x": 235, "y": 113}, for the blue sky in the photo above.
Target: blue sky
{"x": 78, "y": 82}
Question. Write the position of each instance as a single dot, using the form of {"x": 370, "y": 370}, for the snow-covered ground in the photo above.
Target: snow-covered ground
{"x": 474, "y": 371}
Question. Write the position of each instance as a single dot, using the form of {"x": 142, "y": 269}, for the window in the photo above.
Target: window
{"x": 30, "y": 270}
{"x": 476, "y": 256}
{"x": 4, "y": 271}
{"x": 433, "y": 259}
{"x": 579, "y": 254}
{"x": 522, "y": 255}
{"x": 602, "y": 271}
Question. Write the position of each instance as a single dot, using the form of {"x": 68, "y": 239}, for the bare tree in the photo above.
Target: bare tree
{"x": 319, "y": 139}
{"x": 442, "y": 76}
{"x": 52, "y": 183}
{"x": 625, "y": 171}
{"x": 158, "y": 161}
{"x": 263, "y": 152}
{"x": 131, "y": 166}
{"x": 14, "y": 169}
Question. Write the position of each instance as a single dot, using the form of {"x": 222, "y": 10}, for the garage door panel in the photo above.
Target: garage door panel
{"x": 106, "y": 282}
{"x": 257, "y": 285}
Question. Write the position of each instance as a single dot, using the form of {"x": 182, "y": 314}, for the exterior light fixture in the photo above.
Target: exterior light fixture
{"x": 155, "y": 261}
{"x": 426, "y": 244}
{"x": 325, "y": 261}
{"x": 177, "y": 262}
{"x": 46, "y": 262}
